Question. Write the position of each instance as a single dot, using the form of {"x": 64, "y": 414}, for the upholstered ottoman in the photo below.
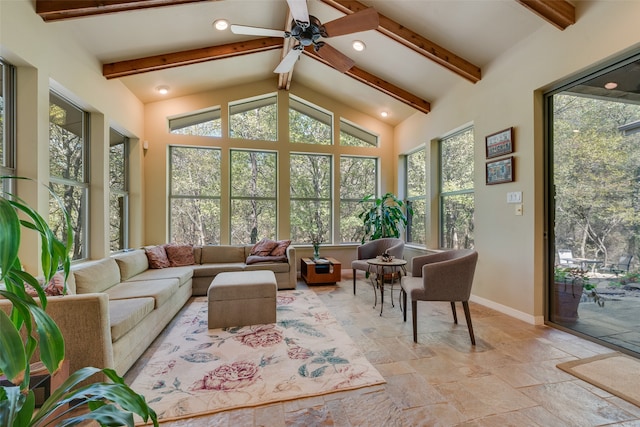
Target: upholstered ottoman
{"x": 242, "y": 298}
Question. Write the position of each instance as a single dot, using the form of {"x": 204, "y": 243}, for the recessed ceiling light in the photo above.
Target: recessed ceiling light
{"x": 162, "y": 90}
{"x": 611, "y": 85}
{"x": 221, "y": 24}
{"x": 384, "y": 114}
{"x": 358, "y": 45}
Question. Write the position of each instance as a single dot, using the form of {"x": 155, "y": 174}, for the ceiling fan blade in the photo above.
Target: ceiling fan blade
{"x": 288, "y": 61}
{"x": 363, "y": 20}
{"x": 256, "y": 31}
{"x": 299, "y": 10}
{"x": 338, "y": 60}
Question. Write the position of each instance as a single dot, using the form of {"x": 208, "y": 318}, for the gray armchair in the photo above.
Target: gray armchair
{"x": 445, "y": 276}
{"x": 374, "y": 248}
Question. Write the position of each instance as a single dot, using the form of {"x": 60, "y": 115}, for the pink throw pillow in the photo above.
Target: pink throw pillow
{"x": 180, "y": 255}
{"x": 263, "y": 247}
{"x": 281, "y": 248}
{"x": 157, "y": 256}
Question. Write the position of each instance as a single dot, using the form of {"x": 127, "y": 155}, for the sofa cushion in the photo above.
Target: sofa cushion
{"x": 96, "y": 276}
{"x": 213, "y": 269}
{"x": 276, "y": 267}
{"x": 125, "y": 314}
{"x": 160, "y": 290}
{"x": 157, "y": 256}
{"x": 263, "y": 247}
{"x": 131, "y": 263}
{"x": 222, "y": 254}
{"x": 253, "y": 259}
{"x": 180, "y": 255}
{"x": 183, "y": 274}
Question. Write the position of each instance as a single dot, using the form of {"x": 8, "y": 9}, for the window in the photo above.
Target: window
{"x": 202, "y": 123}
{"x": 358, "y": 178}
{"x": 253, "y": 196}
{"x": 308, "y": 124}
{"x": 68, "y": 171}
{"x": 194, "y": 195}
{"x": 310, "y": 214}
{"x": 7, "y": 124}
{"x": 416, "y": 167}
{"x": 118, "y": 190}
{"x": 353, "y": 136}
{"x": 255, "y": 119}
{"x": 456, "y": 190}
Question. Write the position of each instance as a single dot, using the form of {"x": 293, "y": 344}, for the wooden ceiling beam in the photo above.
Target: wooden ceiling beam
{"x": 414, "y": 41}
{"x": 188, "y": 57}
{"x": 379, "y": 84}
{"x": 560, "y": 13}
{"x": 55, "y": 10}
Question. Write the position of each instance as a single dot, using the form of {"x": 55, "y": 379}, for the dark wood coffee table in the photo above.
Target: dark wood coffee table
{"x": 324, "y": 270}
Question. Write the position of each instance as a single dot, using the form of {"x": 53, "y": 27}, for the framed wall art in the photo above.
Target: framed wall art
{"x": 499, "y": 171}
{"x": 499, "y": 143}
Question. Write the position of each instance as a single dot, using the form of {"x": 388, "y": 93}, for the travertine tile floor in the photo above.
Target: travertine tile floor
{"x": 508, "y": 379}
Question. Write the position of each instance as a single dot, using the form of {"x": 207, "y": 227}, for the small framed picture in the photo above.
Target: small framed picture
{"x": 499, "y": 143}
{"x": 500, "y": 171}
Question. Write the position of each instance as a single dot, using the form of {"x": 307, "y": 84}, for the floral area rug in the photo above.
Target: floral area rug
{"x": 197, "y": 371}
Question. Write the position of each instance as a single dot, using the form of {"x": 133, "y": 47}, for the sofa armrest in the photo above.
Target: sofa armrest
{"x": 293, "y": 265}
{"x": 84, "y": 322}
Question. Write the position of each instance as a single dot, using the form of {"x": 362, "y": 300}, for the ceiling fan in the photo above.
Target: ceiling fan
{"x": 307, "y": 30}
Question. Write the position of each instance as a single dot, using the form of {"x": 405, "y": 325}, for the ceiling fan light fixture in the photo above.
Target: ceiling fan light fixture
{"x": 358, "y": 45}
{"x": 221, "y": 24}
{"x": 162, "y": 90}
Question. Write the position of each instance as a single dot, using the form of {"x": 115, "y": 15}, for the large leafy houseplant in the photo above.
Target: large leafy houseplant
{"x": 108, "y": 403}
{"x": 382, "y": 216}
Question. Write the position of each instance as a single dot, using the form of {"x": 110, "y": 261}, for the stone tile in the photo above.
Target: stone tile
{"x": 436, "y": 415}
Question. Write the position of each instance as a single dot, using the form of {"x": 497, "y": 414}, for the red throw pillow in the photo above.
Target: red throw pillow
{"x": 157, "y": 256}
{"x": 281, "y": 248}
{"x": 263, "y": 247}
{"x": 54, "y": 288}
{"x": 180, "y": 255}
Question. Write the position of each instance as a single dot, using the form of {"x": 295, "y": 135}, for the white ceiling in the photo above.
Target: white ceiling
{"x": 475, "y": 30}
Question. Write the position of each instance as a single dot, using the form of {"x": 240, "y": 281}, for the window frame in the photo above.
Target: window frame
{"x": 376, "y": 183}
{"x": 410, "y": 200}
{"x": 8, "y": 158}
{"x": 124, "y": 193}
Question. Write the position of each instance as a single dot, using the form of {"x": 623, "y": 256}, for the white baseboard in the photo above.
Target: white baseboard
{"x": 532, "y": 320}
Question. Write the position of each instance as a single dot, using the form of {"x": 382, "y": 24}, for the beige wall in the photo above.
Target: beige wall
{"x": 156, "y": 165}
{"x": 511, "y": 248}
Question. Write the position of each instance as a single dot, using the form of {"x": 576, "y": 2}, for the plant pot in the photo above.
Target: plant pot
{"x": 565, "y": 301}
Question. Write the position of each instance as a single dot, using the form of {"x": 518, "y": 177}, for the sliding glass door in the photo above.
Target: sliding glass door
{"x": 593, "y": 159}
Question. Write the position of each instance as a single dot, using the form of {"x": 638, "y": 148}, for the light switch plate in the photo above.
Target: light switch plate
{"x": 514, "y": 197}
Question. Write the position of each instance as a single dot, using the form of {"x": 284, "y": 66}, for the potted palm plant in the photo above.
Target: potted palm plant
{"x": 76, "y": 400}
{"x": 383, "y": 216}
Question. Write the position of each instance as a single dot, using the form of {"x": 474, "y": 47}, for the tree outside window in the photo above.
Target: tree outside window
{"x": 68, "y": 142}
{"x": 308, "y": 124}
{"x": 416, "y": 197}
{"x": 358, "y": 178}
{"x": 253, "y": 196}
{"x": 255, "y": 119}
{"x": 456, "y": 190}
{"x": 194, "y": 195}
{"x": 310, "y": 191}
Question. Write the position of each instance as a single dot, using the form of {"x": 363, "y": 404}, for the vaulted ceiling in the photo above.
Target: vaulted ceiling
{"x": 421, "y": 49}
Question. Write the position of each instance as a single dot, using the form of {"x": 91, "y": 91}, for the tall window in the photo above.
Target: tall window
{"x": 68, "y": 171}
{"x": 358, "y": 178}
{"x": 416, "y": 167}
{"x": 200, "y": 123}
{"x": 255, "y": 119}
{"x": 310, "y": 197}
{"x": 7, "y": 124}
{"x": 118, "y": 190}
{"x": 309, "y": 124}
{"x": 194, "y": 195}
{"x": 253, "y": 196}
{"x": 353, "y": 136}
{"x": 456, "y": 190}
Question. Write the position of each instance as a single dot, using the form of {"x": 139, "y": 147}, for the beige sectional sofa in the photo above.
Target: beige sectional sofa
{"x": 119, "y": 305}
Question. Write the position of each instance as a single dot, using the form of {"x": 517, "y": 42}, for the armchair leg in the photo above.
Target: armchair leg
{"x": 404, "y": 303}
{"x": 467, "y": 315}
{"x": 354, "y": 281}
{"x": 414, "y": 316}
{"x": 455, "y": 315}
